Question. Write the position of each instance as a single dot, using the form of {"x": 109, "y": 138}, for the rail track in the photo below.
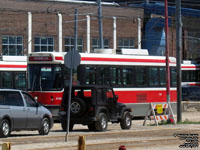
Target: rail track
{"x": 133, "y": 139}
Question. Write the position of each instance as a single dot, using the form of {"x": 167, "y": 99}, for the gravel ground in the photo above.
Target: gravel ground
{"x": 151, "y": 142}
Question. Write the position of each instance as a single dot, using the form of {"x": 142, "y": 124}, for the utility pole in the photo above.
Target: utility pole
{"x": 167, "y": 53}
{"x": 100, "y": 24}
{"x": 178, "y": 58}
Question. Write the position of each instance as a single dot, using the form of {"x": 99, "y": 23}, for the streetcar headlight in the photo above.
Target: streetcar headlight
{"x": 36, "y": 98}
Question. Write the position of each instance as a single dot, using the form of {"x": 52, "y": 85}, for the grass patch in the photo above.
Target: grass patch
{"x": 188, "y": 122}
{"x": 183, "y": 122}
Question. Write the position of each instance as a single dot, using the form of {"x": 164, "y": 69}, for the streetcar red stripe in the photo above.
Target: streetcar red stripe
{"x": 116, "y": 59}
{"x": 190, "y": 66}
{"x": 122, "y": 60}
{"x": 13, "y": 66}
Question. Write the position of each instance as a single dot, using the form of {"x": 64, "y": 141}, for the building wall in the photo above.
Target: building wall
{"x": 14, "y": 21}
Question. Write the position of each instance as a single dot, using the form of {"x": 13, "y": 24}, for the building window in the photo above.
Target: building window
{"x": 69, "y": 44}
{"x": 12, "y": 45}
{"x": 96, "y": 43}
{"x": 44, "y": 44}
{"x": 125, "y": 43}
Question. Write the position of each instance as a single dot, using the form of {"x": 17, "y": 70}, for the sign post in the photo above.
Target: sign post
{"x": 71, "y": 60}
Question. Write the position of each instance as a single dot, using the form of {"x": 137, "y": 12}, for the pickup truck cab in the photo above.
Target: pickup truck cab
{"x": 94, "y": 106}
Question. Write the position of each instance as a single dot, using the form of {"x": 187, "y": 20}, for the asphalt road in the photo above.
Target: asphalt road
{"x": 138, "y": 137}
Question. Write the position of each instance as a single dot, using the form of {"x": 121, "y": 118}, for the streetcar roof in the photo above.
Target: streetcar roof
{"x": 190, "y": 65}
{"x": 99, "y": 58}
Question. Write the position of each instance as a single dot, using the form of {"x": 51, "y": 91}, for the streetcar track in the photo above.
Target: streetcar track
{"x": 40, "y": 139}
{"x": 120, "y": 137}
{"x": 112, "y": 144}
{"x": 36, "y": 137}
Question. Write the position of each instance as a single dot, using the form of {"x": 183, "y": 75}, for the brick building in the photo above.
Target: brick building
{"x": 19, "y": 36}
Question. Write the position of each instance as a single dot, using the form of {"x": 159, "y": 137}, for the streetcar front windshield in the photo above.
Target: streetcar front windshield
{"x": 44, "y": 77}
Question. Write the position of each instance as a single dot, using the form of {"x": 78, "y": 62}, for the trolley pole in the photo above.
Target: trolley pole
{"x": 178, "y": 57}
{"x": 167, "y": 53}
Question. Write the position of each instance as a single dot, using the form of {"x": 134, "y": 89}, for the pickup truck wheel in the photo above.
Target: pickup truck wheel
{"x": 64, "y": 126}
{"x": 102, "y": 122}
{"x": 45, "y": 127}
{"x": 77, "y": 108}
{"x": 126, "y": 121}
{"x": 4, "y": 128}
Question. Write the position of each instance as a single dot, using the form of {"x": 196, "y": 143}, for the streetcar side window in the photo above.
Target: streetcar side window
{"x": 7, "y": 79}
{"x": 153, "y": 76}
{"x": 185, "y": 76}
{"x": 141, "y": 79}
{"x": 123, "y": 76}
{"x": 90, "y": 75}
{"x": 198, "y": 75}
{"x": 116, "y": 78}
{"x": 173, "y": 77}
{"x": 127, "y": 75}
{"x": 103, "y": 75}
{"x": 162, "y": 76}
{"x": 13, "y": 80}
{"x": 20, "y": 80}
{"x": 190, "y": 75}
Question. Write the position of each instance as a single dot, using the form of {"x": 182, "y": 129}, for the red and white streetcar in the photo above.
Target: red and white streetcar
{"x": 137, "y": 80}
{"x": 13, "y": 72}
{"x": 190, "y": 73}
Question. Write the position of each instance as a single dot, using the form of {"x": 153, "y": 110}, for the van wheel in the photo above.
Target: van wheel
{"x": 5, "y": 128}
{"x": 77, "y": 107}
{"x": 102, "y": 122}
{"x": 126, "y": 121}
{"x": 45, "y": 127}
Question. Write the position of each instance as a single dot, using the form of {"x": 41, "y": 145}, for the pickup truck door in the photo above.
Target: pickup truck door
{"x": 111, "y": 102}
{"x": 32, "y": 112}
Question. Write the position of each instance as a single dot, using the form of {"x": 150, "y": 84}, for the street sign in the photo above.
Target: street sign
{"x": 72, "y": 59}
